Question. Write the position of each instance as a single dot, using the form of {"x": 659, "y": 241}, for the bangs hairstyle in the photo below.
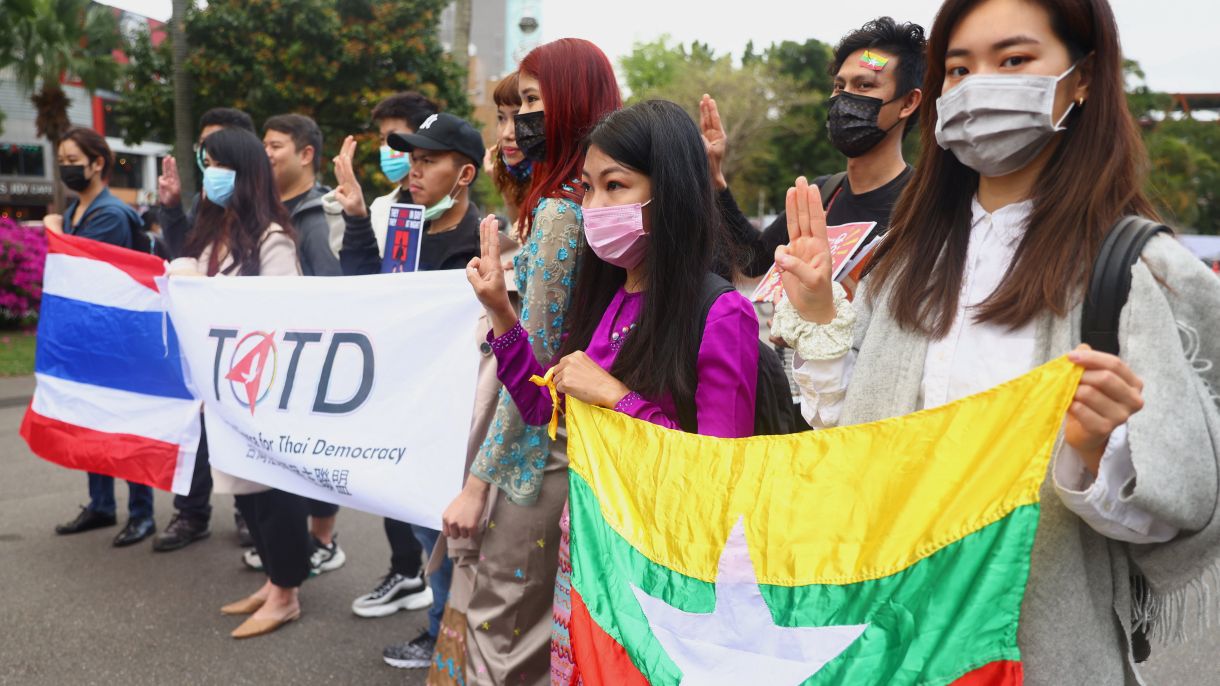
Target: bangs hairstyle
{"x": 239, "y": 226}
{"x": 94, "y": 147}
{"x": 507, "y": 95}
{"x": 659, "y": 140}
{"x": 578, "y": 89}
{"x": 1093, "y": 176}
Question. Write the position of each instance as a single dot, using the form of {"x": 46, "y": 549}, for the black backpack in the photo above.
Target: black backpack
{"x": 1109, "y": 286}
{"x": 141, "y": 240}
{"x": 773, "y": 408}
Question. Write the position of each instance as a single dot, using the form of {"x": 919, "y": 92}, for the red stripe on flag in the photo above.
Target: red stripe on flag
{"x": 134, "y": 458}
{"x": 141, "y": 267}
{"x": 598, "y": 657}
{"x": 1000, "y": 673}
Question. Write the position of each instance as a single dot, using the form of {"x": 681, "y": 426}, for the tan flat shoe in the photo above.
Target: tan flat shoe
{"x": 257, "y": 627}
{"x": 245, "y": 606}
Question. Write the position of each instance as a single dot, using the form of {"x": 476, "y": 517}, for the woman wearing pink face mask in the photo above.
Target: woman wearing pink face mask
{"x": 641, "y": 339}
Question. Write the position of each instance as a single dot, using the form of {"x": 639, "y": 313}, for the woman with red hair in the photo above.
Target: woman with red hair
{"x": 519, "y": 480}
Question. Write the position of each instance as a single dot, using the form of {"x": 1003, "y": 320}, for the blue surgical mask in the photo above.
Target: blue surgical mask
{"x": 394, "y": 164}
{"x": 218, "y": 184}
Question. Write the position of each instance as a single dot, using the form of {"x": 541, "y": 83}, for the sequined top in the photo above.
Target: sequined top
{"x": 513, "y": 454}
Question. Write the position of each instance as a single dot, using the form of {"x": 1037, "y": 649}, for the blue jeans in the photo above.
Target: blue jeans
{"x": 439, "y": 581}
{"x": 101, "y": 496}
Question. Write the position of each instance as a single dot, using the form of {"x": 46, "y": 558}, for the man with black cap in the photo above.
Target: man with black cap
{"x": 445, "y": 157}
{"x": 446, "y": 152}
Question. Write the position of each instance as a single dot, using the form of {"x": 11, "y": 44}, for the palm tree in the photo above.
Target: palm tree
{"x": 50, "y": 41}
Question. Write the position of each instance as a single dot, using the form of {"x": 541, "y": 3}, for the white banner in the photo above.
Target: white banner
{"x": 352, "y": 390}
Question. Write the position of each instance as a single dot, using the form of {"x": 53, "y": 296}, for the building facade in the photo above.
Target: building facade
{"x": 26, "y": 159}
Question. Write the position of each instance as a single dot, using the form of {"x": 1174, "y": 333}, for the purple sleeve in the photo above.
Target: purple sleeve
{"x": 727, "y": 371}
{"x": 515, "y": 364}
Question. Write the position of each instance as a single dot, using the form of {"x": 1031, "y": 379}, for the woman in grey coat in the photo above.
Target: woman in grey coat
{"x": 1028, "y": 160}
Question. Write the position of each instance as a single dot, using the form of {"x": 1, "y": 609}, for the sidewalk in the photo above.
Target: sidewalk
{"x": 16, "y": 390}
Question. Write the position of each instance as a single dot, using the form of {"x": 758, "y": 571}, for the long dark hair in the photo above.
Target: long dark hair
{"x": 658, "y": 139}
{"x": 1093, "y": 177}
{"x": 578, "y": 88}
{"x": 254, "y": 205}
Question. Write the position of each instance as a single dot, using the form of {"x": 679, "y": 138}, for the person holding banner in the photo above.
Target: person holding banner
{"x": 566, "y": 86}
{"x": 1029, "y": 159}
{"x": 639, "y": 341}
{"x": 85, "y": 162}
{"x": 242, "y": 229}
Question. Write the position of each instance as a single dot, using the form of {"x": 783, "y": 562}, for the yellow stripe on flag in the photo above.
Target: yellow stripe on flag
{"x": 836, "y": 506}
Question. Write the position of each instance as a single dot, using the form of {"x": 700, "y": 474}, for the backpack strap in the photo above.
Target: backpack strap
{"x": 830, "y": 188}
{"x": 710, "y": 290}
{"x": 1110, "y": 283}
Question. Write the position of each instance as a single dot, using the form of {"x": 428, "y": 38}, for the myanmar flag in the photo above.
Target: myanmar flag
{"x": 888, "y": 553}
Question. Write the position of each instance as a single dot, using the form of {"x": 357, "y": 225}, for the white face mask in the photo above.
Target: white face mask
{"x": 998, "y": 123}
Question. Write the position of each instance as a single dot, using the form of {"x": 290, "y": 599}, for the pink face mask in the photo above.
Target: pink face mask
{"x": 616, "y": 234}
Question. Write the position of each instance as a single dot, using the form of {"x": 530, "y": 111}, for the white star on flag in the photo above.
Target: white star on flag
{"x": 739, "y": 642}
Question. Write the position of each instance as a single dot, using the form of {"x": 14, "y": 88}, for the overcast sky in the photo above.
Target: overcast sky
{"x": 1169, "y": 38}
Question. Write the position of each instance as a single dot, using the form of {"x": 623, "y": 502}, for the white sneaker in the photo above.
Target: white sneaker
{"x": 251, "y": 559}
{"x": 395, "y": 592}
{"x": 326, "y": 558}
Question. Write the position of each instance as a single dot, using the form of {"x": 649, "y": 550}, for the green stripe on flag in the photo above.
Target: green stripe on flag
{"x": 954, "y": 611}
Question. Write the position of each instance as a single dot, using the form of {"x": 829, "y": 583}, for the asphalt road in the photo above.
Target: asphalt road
{"x": 75, "y": 610}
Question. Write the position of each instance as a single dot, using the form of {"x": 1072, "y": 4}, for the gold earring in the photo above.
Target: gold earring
{"x": 1080, "y": 102}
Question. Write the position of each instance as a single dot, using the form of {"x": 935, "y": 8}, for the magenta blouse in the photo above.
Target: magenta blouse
{"x": 727, "y": 367}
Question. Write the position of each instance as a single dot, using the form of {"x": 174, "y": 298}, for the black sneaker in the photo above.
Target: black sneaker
{"x": 137, "y": 529}
{"x": 180, "y": 533}
{"x": 395, "y": 592}
{"x": 414, "y": 655}
{"x": 326, "y": 558}
{"x": 87, "y": 520}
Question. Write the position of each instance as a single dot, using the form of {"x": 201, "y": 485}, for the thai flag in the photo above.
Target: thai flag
{"x": 111, "y": 395}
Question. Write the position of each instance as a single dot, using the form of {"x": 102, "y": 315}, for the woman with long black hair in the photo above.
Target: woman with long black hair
{"x": 1029, "y": 158}
{"x": 242, "y": 229}
{"x": 639, "y": 340}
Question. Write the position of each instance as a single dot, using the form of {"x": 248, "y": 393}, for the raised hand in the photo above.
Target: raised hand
{"x": 169, "y": 185}
{"x": 486, "y": 276}
{"x": 714, "y": 139}
{"x": 349, "y": 193}
{"x": 806, "y": 260}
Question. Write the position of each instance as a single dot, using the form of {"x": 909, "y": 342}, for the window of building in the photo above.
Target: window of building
{"x": 128, "y": 171}
{"x": 110, "y": 120}
{"x": 20, "y": 159}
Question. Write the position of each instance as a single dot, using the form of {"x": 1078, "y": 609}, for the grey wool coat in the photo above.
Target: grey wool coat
{"x": 1078, "y": 612}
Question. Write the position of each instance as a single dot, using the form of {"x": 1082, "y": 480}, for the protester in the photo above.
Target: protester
{"x": 85, "y": 162}
{"x": 174, "y": 219}
{"x": 874, "y": 104}
{"x": 1028, "y": 161}
{"x": 566, "y": 87}
{"x": 639, "y": 341}
{"x": 399, "y": 113}
{"x": 294, "y": 144}
{"x": 403, "y": 587}
{"x": 242, "y": 229}
{"x": 444, "y": 154}
{"x": 193, "y": 511}
{"x": 509, "y": 167}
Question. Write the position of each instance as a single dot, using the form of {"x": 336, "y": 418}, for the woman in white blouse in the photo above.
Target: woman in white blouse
{"x": 1028, "y": 160}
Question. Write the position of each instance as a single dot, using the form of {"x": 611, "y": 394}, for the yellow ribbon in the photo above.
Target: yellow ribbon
{"x": 548, "y": 381}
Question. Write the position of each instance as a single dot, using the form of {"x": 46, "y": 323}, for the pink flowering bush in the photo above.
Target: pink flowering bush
{"x": 23, "y": 252}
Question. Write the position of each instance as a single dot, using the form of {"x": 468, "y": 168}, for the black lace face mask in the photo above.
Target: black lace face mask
{"x": 852, "y": 123}
{"x": 531, "y": 134}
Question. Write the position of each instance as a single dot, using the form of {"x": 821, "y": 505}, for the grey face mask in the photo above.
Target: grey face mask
{"x": 998, "y": 123}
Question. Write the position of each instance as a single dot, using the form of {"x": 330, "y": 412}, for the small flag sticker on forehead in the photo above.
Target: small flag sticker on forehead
{"x": 871, "y": 60}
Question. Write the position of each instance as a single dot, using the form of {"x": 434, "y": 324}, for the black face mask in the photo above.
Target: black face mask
{"x": 73, "y": 176}
{"x": 852, "y": 123}
{"x": 531, "y": 135}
